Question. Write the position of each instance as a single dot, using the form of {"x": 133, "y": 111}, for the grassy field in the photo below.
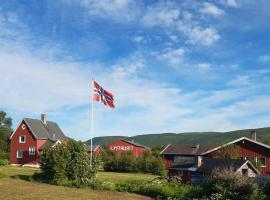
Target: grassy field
{"x": 122, "y": 177}
{"x": 15, "y": 185}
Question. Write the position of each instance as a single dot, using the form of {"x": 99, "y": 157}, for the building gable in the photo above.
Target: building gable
{"x": 23, "y": 126}
{"x": 239, "y": 142}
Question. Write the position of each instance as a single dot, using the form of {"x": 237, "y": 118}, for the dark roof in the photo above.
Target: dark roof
{"x": 50, "y": 130}
{"x": 134, "y": 143}
{"x": 210, "y": 164}
{"x": 187, "y": 149}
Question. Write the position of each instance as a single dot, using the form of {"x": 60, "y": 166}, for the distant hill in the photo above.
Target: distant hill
{"x": 163, "y": 139}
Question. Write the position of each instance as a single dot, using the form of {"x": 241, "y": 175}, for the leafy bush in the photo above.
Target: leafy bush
{"x": 266, "y": 190}
{"x": 67, "y": 164}
{"x": 4, "y": 162}
{"x": 157, "y": 188}
{"x": 149, "y": 162}
{"x": 226, "y": 184}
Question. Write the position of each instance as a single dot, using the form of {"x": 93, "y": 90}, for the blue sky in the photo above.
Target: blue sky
{"x": 173, "y": 66}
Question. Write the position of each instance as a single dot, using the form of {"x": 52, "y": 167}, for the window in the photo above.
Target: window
{"x": 32, "y": 150}
{"x": 180, "y": 173}
{"x": 19, "y": 154}
{"x": 23, "y": 126}
{"x": 253, "y": 160}
{"x": 261, "y": 161}
{"x": 22, "y": 139}
{"x": 184, "y": 159}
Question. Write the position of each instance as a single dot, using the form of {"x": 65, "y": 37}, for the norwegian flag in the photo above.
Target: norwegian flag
{"x": 99, "y": 94}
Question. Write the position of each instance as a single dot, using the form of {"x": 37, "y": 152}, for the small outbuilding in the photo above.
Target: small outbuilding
{"x": 121, "y": 146}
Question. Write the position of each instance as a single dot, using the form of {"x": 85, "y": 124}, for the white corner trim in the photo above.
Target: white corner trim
{"x": 252, "y": 166}
{"x": 164, "y": 149}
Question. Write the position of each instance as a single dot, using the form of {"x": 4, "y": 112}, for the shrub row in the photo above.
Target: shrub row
{"x": 149, "y": 162}
{"x": 162, "y": 190}
{"x": 220, "y": 187}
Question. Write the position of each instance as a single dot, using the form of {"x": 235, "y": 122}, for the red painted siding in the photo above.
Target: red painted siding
{"x": 96, "y": 152}
{"x": 121, "y": 146}
{"x": 253, "y": 150}
{"x": 168, "y": 159}
{"x": 16, "y": 145}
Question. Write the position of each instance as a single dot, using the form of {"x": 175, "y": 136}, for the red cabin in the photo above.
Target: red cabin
{"x": 30, "y": 137}
{"x": 180, "y": 160}
{"x": 121, "y": 146}
{"x": 96, "y": 150}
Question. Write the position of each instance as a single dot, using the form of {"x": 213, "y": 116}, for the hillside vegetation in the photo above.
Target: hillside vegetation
{"x": 163, "y": 139}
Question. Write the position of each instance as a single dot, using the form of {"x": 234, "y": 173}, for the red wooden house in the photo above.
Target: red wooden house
{"x": 121, "y": 146}
{"x": 29, "y": 139}
{"x": 181, "y": 160}
{"x": 96, "y": 149}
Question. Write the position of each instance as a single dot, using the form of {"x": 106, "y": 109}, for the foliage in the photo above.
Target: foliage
{"x": 149, "y": 162}
{"x": 158, "y": 188}
{"x": 228, "y": 152}
{"x": 226, "y": 185}
{"x": 266, "y": 190}
{"x": 5, "y": 131}
{"x": 4, "y": 162}
{"x": 67, "y": 164}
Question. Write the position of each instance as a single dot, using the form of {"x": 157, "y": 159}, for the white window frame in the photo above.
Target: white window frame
{"x": 18, "y": 155}
{"x": 20, "y": 139}
{"x": 32, "y": 150}
{"x": 23, "y": 127}
{"x": 265, "y": 161}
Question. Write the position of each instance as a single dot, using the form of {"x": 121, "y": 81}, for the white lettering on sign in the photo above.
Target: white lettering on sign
{"x": 122, "y": 148}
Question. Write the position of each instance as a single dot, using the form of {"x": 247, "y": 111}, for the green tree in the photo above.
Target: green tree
{"x": 5, "y": 131}
{"x": 67, "y": 164}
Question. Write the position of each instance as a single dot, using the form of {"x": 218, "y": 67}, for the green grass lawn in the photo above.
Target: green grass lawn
{"x": 15, "y": 185}
{"x": 122, "y": 177}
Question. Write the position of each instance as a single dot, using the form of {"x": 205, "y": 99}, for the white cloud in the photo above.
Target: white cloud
{"x": 211, "y": 9}
{"x": 232, "y": 3}
{"x": 138, "y": 39}
{"x": 173, "y": 56}
{"x": 234, "y": 66}
{"x": 37, "y": 86}
{"x": 32, "y": 84}
{"x": 204, "y": 66}
{"x": 240, "y": 80}
{"x": 161, "y": 14}
{"x": 122, "y": 11}
{"x": 128, "y": 67}
{"x": 207, "y": 36}
{"x": 174, "y": 38}
{"x": 264, "y": 58}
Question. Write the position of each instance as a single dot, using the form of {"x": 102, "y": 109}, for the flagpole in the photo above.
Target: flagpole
{"x": 92, "y": 125}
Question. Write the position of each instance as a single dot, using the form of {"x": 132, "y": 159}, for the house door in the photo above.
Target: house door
{"x": 244, "y": 172}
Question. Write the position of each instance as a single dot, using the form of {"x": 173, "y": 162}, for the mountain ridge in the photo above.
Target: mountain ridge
{"x": 189, "y": 138}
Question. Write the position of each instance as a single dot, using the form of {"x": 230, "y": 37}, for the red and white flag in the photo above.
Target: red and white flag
{"x": 99, "y": 94}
